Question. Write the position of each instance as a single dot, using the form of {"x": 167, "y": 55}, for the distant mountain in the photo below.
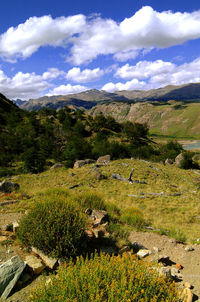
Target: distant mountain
{"x": 91, "y": 98}
{"x": 18, "y": 102}
{"x": 6, "y": 106}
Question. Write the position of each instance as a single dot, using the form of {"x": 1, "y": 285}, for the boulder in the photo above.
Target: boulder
{"x": 80, "y": 163}
{"x": 168, "y": 161}
{"x": 165, "y": 271}
{"x": 50, "y": 262}
{"x": 34, "y": 264}
{"x": 99, "y": 216}
{"x": 179, "y": 159}
{"x": 186, "y": 295}
{"x": 143, "y": 253}
{"x": 57, "y": 165}
{"x": 99, "y": 176}
{"x": 8, "y": 186}
{"x": 10, "y": 272}
{"x": 103, "y": 159}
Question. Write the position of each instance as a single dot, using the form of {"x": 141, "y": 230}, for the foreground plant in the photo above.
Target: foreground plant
{"x": 106, "y": 278}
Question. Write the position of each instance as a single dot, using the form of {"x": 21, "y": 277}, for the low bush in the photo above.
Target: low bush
{"x": 133, "y": 217}
{"x": 54, "y": 226}
{"x": 90, "y": 200}
{"x": 187, "y": 162}
{"x": 107, "y": 278}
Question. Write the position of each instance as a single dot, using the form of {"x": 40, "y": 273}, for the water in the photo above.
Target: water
{"x": 192, "y": 146}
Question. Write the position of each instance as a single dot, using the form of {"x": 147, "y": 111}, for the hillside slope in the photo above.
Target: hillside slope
{"x": 170, "y": 118}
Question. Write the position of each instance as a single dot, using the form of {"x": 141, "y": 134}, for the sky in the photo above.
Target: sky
{"x": 61, "y": 47}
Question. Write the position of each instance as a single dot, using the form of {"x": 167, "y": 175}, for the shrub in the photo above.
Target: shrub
{"x": 53, "y": 226}
{"x": 133, "y": 217}
{"x": 187, "y": 161}
{"x": 90, "y": 200}
{"x": 105, "y": 278}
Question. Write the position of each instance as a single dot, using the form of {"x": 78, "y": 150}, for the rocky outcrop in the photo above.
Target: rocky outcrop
{"x": 10, "y": 271}
{"x": 57, "y": 165}
{"x": 103, "y": 159}
{"x": 80, "y": 163}
{"x": 8, "y": 186}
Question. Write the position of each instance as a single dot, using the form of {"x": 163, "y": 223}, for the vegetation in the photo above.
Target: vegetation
{"x": 53, "y": 226}
{"x": 105, "y": 278}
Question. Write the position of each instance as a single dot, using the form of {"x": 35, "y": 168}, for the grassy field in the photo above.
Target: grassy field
{"x": 178, "y": 216}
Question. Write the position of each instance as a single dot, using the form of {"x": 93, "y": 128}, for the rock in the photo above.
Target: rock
{"x": 124, "y": 249}
{"x": 99, "y": 176}
{"x": 187, "y": 285}
{"x": 165, "y": 271}
{"x": 100, "y": 232}
{"x": 143, "y": 253}
{"x": 7, "y": 227}
{"x": 163, "y": 259}
{"x": 80, "y": 163}
{"x": 174, "y": 272}
{"x": 50, "y": 262}
{"x": 137, "y": 246}
{"x": 99, "y": 216}
{"x": 189, "y": 249}
{"x": 156, "y": 249}
{"x": 103, "y": 159}
{"x": 168, "y": 161}
{"x": 89, "y": 233}
{"x": 10, "y": 272}
{"x": 57, "y": 165}
{"x": 8, "y": 186}
{"x": 15, "y": 226}
{"x": 178, "y": 160}
{"x": 186, "y": 295}
{"x": 34, "y": 264}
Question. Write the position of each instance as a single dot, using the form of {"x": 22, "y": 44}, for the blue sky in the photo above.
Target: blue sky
{"x": 61, "y": 47}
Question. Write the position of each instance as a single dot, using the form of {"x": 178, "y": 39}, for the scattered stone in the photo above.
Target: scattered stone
{"x": 10, "y": 271}
{"x": 137, "y": 246}
{"x": 165, "y": 271}
{"x": 124, "y": 249}
{"x": 179, "y": 266}
{"x": 57, "y": 165}
{"x": 100, "y": 232}
{"x": 143, "y": 253}
{"x": 188, "y": 285}
{"x": 168, "y": 161}
{"x": 74, "y": 186}
{"x": 8, "y": 186}
{"x": 99, "y": 176}
{"x": 103, "y": 159}
{"x": 174, "y": 272}
{"x": 189, "y": 249}
{"x": 99, "y": 216}
{"x": 15, "y": 226}
{"x": 179, "y": 159}
{"x": 50, "y": 262}
{"x": 10, "y": 251}
{"x": 172, "y": 241}
{"x": 156, "y": 249}
{"x": 186, "y": 295}
{"x": 163, "y": 259}
{"x": 80, "y": 163}
{"x": 7, "y": 227}
{"x": 34, "y": 264}
{"x": 89, "y": 233}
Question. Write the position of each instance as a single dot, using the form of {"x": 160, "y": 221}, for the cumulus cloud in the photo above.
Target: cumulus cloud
{"x": 52, "y": 73}
{"x": 144, "y": 69}
{"x": 84, "y": 76}
{"x": 147, "y": 75}
{"x": 91, "y": 37}
{"x": 26, "y": 38}
{"x": 67, "y": 89}
{"x": 130, "y": 85}
{"x": 23, "y": 85}
{"x": 146, "y": 29}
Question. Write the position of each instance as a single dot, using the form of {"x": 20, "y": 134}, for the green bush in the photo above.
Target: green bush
{"x": 187, "y": 162}
{"x": 54, "y": 226}
{"x": 133, "y": 217}
{"x": 90, "y": 200}
{"x": 105, "y": 278}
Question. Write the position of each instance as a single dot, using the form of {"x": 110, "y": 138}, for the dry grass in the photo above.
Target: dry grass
{"x": 166, "y": 212}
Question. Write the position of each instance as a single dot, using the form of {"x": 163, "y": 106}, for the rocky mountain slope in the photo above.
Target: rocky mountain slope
{"x": 90, "y": 98}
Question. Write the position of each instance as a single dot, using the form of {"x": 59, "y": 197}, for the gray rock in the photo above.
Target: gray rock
{"x": 99, "y": 216}
{"x": 178, "y": 160}
{"x": 34, "y": 264}
{"x": 103, "y": 159}
{"x": 80, "y": 163}
{"x": 174, "y": 272}
{"x": 57, "y": 165}
{"x": 168, "y": 161}
{"x": 143, "y": 253}
{"x": 50, "y": 262}
{"x": 10, "y": 272}
{"x": 165, "y": 271}
{"x": 124, "y": 249}
{"x": 8, "y": 186}
{"x": 99, "y": 176}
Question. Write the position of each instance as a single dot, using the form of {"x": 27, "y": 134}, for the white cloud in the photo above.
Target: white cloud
{"x": 145, "y": 30}
{"x": 67, "y": 89}
{"x": 23, "y": 85}
{"x": 130, "y": 85}
{"x": 25, "y": 39}
{"x": 144, "y": 69}
{"x": 87, "y": 75}
{"x": 52, "y": 73}
{"x": 91, "y": 37}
